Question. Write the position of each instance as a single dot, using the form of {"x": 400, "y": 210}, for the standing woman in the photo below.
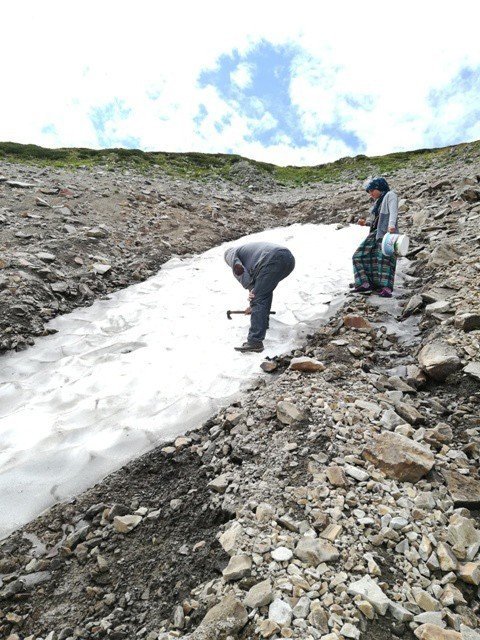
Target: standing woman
{"x": 373, "y": 271}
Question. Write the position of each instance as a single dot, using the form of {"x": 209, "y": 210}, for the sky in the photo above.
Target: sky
{"x": 299, "y": 83}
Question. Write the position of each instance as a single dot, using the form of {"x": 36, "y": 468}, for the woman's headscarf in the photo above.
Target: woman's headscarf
{"x": 378, "y": 183}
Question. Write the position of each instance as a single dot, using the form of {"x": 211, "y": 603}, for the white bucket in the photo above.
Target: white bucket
{"x": 395, "y": 244}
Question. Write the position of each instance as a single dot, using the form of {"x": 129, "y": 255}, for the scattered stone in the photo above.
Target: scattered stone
{"x": 228, "y": 616}
{"x": 306, "y": 365}
{"x": 288, "y": 413}
{"x": 125, "y": 524}
{"x": 433, "y": 632}
{"x": 260, "y": 595}
{"x": 464, "y": 490}
{"x": 468, "y": 321}
{"x": 269, "y": 366}
{"x": 439, "y": 359}
{"x": 371, "y": 592}
{"x": 470, "y": 573}
{"x": 399, "y": 457}
{"x": 101, "y": 269}
{"x": 280, "y": 612}
{"x": 336, "y": 476}
{"x": 237, "y": 568}
{"x": 282, "y": 554}
{"x": 313, "y": 551}
{"x": 357, "y": 322}
{"x": 220, "y": 483}
{"x": 473, "y": 369}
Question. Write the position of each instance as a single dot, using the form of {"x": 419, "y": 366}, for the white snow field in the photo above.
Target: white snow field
{"x": 146, "y": 364}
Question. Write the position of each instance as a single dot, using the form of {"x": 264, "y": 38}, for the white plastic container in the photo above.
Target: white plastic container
{"x": 395, "y": 244}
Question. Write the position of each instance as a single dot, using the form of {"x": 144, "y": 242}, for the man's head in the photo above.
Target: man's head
{"x": 230, "y": 259}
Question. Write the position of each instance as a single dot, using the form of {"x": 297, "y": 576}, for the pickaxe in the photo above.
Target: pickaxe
{"x": 229, "y": 313}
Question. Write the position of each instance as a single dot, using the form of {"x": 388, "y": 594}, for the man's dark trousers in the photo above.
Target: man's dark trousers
{"x": 277, "y": 266}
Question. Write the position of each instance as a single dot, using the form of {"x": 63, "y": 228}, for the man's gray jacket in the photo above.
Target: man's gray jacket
{"x": 250, "y": 256}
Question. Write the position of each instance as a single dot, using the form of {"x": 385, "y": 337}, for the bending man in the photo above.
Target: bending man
{"x": 259, "y": 267}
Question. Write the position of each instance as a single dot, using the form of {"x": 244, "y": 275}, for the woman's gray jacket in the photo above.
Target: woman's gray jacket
{"x": 388, "y": 214}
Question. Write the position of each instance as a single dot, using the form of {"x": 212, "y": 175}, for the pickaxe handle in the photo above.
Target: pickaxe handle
{"x": 229, "y": 313}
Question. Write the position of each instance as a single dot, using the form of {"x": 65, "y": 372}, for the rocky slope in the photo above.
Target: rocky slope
{"x": 339, "y": 499}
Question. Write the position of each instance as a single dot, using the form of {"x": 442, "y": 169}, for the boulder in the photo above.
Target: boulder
{"x": 468, "y": 321}
{"x": 313, "y": 551}
{"x": 357, "y": 322}
{"x": 433, "y": 632}
{"x": 371, "y": 592}
{"x": 238, "y": 567}
{"x": 259, "y": 595}
{"x": 473, "y": 370}
{"x": 125, "y": 524}
{"x": 230, "y": 539}
{"x": 288, "y": 413}
{"x": 280, "y": 612}
{"x": 439, "y": 359}
{"x": 306, "y": 365}
{"x": 227, "y": 617}
{"x": 443, "y": 254}
{"x": 399, "y": 457}
{"x": 464, "y": 490}
{"x": 470, "y": 194}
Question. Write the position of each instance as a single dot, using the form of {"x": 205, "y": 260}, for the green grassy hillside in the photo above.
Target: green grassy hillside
{"x": 206, "y": 165}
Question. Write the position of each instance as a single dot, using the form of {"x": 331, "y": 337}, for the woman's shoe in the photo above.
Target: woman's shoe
{"x": 363, "y": 288}
{"x": 386, "y": 292}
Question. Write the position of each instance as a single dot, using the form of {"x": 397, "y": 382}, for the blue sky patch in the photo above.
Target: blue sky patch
{"x": 265, "y": 97}
{"x": 49, "y": 129}
{"x": 464, "y": 89}
{"x": 256, "y": 85}
{"x": 101, "y": 116}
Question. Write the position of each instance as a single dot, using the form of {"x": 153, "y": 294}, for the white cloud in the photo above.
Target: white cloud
{"x": 242, "y": 76}
{"x": 65, "y": 61}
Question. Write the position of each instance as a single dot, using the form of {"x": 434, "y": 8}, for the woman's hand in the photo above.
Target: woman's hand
{"x": 361, "y": 222}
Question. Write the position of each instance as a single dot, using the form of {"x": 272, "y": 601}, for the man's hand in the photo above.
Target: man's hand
{"x": 361, "y": 222}
{"x": 238, "y": 269}
{"x": 248, "y": 311}
{"x": 251, "y": 295}
{"x": 391, "y": 229}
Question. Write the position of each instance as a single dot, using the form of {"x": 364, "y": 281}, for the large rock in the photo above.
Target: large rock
{"x": 469, "y": 194}
{"x": 125, "y": 524}
{"x": 288, "y": 412}
{"x": 357, "y": 322}
{"x": 473, "y": 369}
{"x": 238, "y": 567}
{"x": 230, "y": 539}
{"x": 433, "y": 632}
{"x": 313, "y": 551}
{"x": 370, "y": 591}
{"x": 399, "y": 457}
{"x": 259, "y": 595}
{"x": 306, "y": 365}
{"x": 468, "y": 321}
{"x": 280, "y": 612}
{"x": 464, "y": 490}
{"x": 439, "y": 359}
{"x": 225, "y": 618}
{"x": 463, "y": 536}
{"x": 444, "y": 253}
